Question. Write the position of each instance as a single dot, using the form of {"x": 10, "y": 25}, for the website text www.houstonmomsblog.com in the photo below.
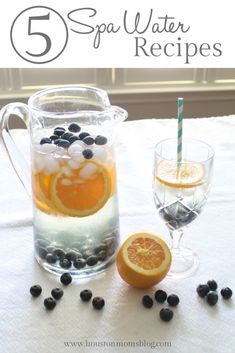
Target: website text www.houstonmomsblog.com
{"x": 125, "y": 344}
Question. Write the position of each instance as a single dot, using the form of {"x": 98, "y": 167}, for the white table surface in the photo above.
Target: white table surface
{"x": 26, "y": 327}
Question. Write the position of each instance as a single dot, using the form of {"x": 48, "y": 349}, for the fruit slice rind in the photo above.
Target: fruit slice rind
{"x": 189, "y": 174}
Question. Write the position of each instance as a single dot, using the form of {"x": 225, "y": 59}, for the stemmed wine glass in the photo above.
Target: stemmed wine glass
{"x": 180, "y": 192}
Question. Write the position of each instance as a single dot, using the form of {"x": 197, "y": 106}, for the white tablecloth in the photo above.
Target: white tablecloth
{"x": 26, "y": 327}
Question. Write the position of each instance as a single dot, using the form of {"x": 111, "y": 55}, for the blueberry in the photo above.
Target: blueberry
{"x": 166, "y": 314}
{"x": 45, "y": 140}
{"x": 35, "y": 290}
{"x": 66, "y": 278}
{"x": 79, "y": 263}
{"x": 65, "y": 263}
{"x": 57, "y": 293}
{"x": 101, "y": 256}
{"x": 87, "y": 253}
{"x": 74, "y": 127}
{"x": 63, "y": 143}
{"x": 59, "y": 253}
{"x": 59, "y": 131}
{"x": 50, "y": 248}
{"x": 98, "y": 303}
{"x": 56, "y": 142}
{"x": 53, "y": 137}
{"x": 67, "y": 136}
{"x": 73, "y": 138}
{"x": 203, "y": 290}
{"x": 212, "y": 285}
{"x": 87, "y": 154}
{"x": 88, "y": 140}
{"x": 100, "y": 248}
{"x": 51, "y": 259}
{"x": 226, "y": 293}
{"x": 160, "y": 296}
{"x": 92, "y": 260}
{"x": 173, "y": 300}
{"x": 49, "y": 303}
{"x": 86, "y": 295}
{"x": 71, "y": 255}
{"x": 147, "y": 301}
{"x": 42, "y": 252}
{"x": 82, "y": 135}
{"x": 101, "y": 140}
{"x": 212, "y": 298}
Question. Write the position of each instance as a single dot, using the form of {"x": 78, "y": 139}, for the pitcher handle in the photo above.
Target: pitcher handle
{"x": 18, "y": 162}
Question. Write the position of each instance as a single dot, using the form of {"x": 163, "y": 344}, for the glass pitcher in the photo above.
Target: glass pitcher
{"x": 73, "y": 176}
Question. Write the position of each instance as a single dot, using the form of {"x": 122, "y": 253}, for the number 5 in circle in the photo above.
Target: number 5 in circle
{"x": 44, "y": 35}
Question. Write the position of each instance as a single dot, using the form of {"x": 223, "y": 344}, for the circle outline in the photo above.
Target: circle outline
{"x": 66, "y": 28}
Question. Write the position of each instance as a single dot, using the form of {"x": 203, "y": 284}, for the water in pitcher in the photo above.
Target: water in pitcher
{"x": 75, "y": 199}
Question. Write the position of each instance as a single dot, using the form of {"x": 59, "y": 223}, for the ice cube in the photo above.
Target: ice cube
{"x": 75, "y": 149}
{"x": 51, "y": 164}
{"x": 66, "y": 182}
{"x": 73, "y": 164}
{"x": 100, "y": 154}
{"x": 88, "y": 171}
{"x": 48, "y": 148}
{"x": 39, "y": 162}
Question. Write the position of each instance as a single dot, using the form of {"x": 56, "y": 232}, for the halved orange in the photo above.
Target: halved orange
{"x": 41, "y": 192}
{"x": 77, "y": 195}
{"x": 185, "y": 175}
{"x": 143, "y": 260}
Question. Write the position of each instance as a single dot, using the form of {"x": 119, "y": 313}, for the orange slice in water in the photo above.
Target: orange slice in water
{"x": 188, "y": 174}
{"x": 82, "y": 193}
{"x": 143, "y": 260}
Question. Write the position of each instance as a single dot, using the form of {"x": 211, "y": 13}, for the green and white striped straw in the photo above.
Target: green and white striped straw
{"x": 180, "y": 129}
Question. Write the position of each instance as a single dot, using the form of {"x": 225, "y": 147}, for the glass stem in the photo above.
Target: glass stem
{"x": 176, "y": 236}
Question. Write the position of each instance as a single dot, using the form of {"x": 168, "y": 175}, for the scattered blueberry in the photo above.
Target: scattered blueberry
{"x": 86, "y": 295}
{"x": 88, "y": 140}
{"x": 36, "y": 290}
{"x": 50, "y": 303}
{"x": 57, "y": 293}
{"x": 166, "y": 314}
{"x": 73, "y": 138}
{"x": 87, "y": 154}
{"x": 160, "y": 296}
{"x": 82, "y": 135}
{"x": 66, "y": 278}
{"x": 226, "y": 293}
{"x": 212, "y": 285}
{"x": 42, "y": 252}
{"x": 203, "y": 290}
{"x": 79, "y": 263}
{"x": 59, "y": 253}
{"x": 98, "y": 303}
{"x": 67, "y": 136}
{"x": 101, "y": 140}
{"x": 63, "y": 143}
{"x": 92, "y": 260}
{"x": 147, "y": 301}
{"x": 45, "y": 140}
{"x": 212, "y": 298}
{"x": 74, "y": 127}
{"x": 65, "y": 263}
{"x": 51, "y": 259}
{"x": 173, "y": 300}
{"x": 59, "y": 131}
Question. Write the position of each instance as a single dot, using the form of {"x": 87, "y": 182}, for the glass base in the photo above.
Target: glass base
{"x": 184, "y": 263}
